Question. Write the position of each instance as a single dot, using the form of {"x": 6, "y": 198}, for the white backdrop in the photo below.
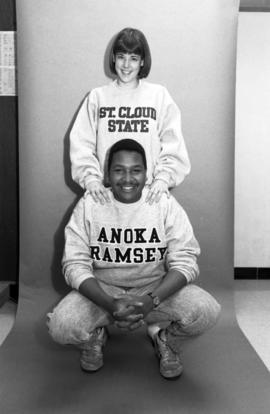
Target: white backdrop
{"x": 61, "y": 47}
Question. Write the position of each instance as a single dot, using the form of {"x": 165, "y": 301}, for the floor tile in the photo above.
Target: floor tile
{"x": 252, "y": 306}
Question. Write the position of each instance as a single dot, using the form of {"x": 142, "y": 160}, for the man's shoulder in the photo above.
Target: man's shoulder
{"x": 88, "y": 203}
{"x": 169, "y": 199}
{"x": 85, "y": 203}
{"x": 170, "y": 205}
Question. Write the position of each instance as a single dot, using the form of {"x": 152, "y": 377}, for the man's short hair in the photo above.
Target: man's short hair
{"x": 126, "y": 145}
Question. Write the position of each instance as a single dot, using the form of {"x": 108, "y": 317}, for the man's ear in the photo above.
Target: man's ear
{"x": 106, "y": 179}
{"x": 107, "y": 182}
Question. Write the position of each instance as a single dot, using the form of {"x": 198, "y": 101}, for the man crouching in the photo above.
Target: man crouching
{"x": 131, "y": 263}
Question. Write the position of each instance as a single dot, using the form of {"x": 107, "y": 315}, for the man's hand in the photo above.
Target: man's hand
{"x": 131, "y": 311}
{"x": 156, "y": 190}
{"x": 125, "y": 314}
{"x": 98, "y": 192}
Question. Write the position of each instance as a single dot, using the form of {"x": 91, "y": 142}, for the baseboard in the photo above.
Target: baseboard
{"x": 255, "y": 8}
{"x": 14, "y": 292}
{"x": 252, "y": 273}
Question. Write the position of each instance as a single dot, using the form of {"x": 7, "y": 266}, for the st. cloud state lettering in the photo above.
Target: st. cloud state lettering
{"x": 122, "y": 125}
{"x": 128, "y": 119}
{"x": 146, "y": 112}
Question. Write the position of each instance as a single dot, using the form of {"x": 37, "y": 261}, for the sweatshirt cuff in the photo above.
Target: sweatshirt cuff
{"x": 90, "y": 179}
{"x": 79, "y": 280}
{"x": 164, "y": 176}
{"x": 190, "y": 276}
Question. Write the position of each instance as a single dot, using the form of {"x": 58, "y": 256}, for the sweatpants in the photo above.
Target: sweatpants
{"x": 192, "y": 311}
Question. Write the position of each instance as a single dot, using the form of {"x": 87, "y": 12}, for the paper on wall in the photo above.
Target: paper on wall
{"x": 7, "y": 63}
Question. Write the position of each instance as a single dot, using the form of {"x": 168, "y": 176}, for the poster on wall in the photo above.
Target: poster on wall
{"x": 7, "y": 63}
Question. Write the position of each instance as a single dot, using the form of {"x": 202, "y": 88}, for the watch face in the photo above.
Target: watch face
{"x": 156, "y": 301}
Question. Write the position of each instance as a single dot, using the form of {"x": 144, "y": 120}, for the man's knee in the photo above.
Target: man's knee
{"x": 199, "y": 312}
{"x": 201, "y": 318}
{"x": 64, "y": 329}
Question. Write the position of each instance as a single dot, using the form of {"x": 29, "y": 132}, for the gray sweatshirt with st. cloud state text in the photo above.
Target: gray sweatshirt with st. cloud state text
{"x": 129, "y": 245}
{"x": 147, "y": 114}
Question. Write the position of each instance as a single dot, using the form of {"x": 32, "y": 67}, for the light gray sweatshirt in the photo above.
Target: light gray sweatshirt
{"x": 147, "y": 114}
{"x": 128, "y": 245}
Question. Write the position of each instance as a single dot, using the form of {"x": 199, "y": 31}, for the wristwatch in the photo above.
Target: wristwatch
{"x": 155, "y": 299}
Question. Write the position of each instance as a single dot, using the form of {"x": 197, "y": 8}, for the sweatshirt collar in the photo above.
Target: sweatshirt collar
{"x": 126, "y": 90}
{"x": 130, "y": 206}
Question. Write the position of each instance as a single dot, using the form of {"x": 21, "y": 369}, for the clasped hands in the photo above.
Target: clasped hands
{"x": 130, "y": 310}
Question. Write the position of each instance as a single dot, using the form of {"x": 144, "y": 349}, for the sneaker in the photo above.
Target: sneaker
{"x": 170, "y": 364}
{"x": 91, "y": 358}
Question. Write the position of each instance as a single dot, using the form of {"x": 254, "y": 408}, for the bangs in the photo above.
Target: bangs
{"x": 131, "y": 46}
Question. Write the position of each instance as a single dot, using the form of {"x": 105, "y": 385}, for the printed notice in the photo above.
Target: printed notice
{"x": 7, "y": 63}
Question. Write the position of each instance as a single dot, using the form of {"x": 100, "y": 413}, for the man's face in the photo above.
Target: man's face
{"x": 127, "y": 176}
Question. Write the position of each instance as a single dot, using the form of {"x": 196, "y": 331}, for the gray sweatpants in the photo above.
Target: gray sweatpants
{"x": 192, "y": 309}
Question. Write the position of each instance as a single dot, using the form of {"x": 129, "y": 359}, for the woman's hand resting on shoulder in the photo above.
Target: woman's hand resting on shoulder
{"x": 157, "y": 188}
{"x": 98, "y": 192}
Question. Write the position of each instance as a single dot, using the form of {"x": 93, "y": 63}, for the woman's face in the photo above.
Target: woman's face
{"x": 127, "y": 67}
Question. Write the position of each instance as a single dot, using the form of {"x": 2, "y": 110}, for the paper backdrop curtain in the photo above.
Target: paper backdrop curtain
{"x": 62, "y": 54}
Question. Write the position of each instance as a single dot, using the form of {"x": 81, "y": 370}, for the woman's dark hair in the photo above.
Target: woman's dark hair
{"x": 126, "y": 145}
{"x": 130, "y": 41}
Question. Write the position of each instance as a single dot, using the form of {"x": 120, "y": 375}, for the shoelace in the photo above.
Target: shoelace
{"x": 95, "y": 345}
{"x": 96, "y": 348}
{"x": 166, "y": 351}
{"x": 95, "y": 351}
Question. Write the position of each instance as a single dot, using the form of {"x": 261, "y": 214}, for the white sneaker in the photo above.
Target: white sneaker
{"x": 91, "y": 358}
{"x": 170, "y": 364}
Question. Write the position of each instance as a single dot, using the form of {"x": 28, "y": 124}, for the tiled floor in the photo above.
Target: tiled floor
{"x": 252, "y": 305}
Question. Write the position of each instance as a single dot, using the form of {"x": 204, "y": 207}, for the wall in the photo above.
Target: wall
{"x": 61, "y": 56}
{"x": 252, "y": 153}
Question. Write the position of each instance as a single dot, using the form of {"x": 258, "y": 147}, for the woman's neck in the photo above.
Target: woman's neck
{"x": 128, "y": 85}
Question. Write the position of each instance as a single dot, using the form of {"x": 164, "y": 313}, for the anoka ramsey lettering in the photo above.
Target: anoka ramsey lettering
{"x": 113, "y": 246}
